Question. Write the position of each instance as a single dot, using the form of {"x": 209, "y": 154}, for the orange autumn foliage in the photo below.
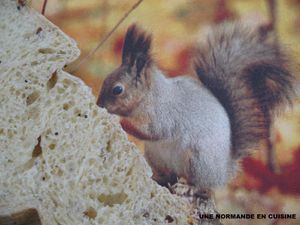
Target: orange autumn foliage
{"x": 287, "y": 181}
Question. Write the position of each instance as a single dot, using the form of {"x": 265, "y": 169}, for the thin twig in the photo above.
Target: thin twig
{"x": 273, "y": 13}
{"x": 92, "y": 52}
{"x": 271, "y": 154}
{"x": 44, "y": 7}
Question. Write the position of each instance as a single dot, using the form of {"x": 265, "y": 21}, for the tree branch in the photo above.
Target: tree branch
{"x": 106, "y": 37}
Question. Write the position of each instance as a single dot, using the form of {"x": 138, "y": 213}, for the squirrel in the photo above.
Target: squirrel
{"x": 199, "y": 129}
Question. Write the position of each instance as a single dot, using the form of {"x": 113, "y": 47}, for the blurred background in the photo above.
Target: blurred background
{"x": 176, "y": 25}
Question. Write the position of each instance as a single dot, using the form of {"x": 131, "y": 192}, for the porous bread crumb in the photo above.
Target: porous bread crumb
{"x": 59, "y": 152}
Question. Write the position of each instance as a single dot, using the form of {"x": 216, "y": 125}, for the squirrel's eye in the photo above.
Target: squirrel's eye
{"x": 117, "y": 90}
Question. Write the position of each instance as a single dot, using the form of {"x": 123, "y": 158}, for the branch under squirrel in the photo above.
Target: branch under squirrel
{"x": 201, "y": 203}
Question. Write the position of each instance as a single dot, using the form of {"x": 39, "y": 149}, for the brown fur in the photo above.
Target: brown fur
{"x": 133, "y": 74}
{"x": 249, "y": 76}
{"x": 136, "y": 45}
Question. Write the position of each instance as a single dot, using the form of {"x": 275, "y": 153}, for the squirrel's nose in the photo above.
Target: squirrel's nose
{"x": 101, "y": 98}
{"x": 101, "y": 101}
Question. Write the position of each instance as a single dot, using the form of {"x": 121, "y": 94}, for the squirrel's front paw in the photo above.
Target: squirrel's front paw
{"x": 165, "y": 180}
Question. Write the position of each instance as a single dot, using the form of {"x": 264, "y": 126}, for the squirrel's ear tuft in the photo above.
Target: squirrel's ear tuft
{"x": 136, "y": 45}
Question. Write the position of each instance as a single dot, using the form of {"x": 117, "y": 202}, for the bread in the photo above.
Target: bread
{"x": 59, "y": 153}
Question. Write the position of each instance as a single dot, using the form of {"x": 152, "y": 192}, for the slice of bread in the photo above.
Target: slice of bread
{"x": 59, "y": 153}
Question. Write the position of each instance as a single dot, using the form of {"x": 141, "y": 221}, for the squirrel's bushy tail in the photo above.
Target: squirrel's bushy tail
{"x": 248, "y": 73}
